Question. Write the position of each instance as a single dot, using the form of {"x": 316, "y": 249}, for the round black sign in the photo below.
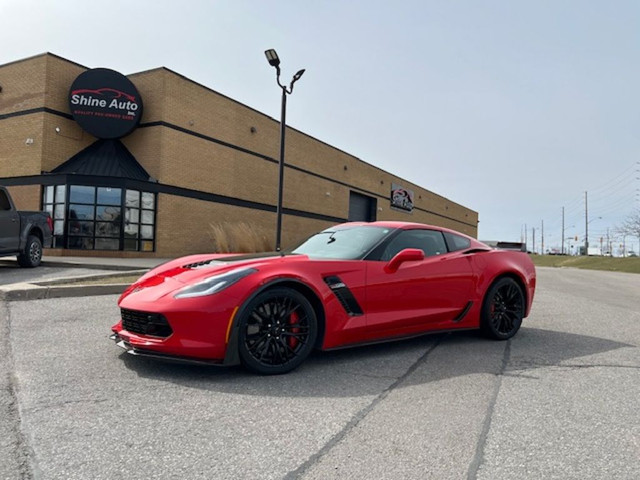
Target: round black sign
{"x": 105, "y": 103}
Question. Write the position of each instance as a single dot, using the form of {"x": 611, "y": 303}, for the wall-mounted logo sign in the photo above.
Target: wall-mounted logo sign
{"x": 401, "y": 198}
{"x": 105, "y": 103}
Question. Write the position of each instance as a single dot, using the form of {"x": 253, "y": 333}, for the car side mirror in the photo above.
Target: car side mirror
{"x": 406, "y": 255}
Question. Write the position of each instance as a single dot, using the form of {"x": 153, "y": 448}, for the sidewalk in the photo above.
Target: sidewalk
{"x": 69, "y": 286}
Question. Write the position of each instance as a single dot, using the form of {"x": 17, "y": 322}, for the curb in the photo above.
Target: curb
{"x": 65, "y": 287}
{"x": 27, "y": 291}
{"x": 90, "y": 266}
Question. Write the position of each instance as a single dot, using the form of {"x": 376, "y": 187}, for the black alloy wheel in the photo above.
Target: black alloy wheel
{"x": 32, "y": 255}
{"x": 503, "y": 309}
{"x": 277, "y": 331}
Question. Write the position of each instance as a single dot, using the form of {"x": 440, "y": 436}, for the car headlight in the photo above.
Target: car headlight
{"x": 214, "y": 284}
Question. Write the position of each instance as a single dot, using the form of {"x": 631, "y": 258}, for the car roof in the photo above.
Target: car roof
{"x": 409, "y": 226}
{"x": 395, "y": 224}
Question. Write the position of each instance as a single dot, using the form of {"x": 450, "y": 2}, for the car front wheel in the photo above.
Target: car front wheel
{"x": 503, "y": 309}
{"x": 277, "y": 331}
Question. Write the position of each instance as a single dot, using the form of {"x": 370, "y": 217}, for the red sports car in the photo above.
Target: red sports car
{"x": 352, "y": 284}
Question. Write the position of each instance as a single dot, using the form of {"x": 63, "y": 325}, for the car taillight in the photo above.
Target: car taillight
{"x": 50, "y": 223}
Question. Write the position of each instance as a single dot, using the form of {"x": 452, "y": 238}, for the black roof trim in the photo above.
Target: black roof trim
{"x": 105, "y": 158}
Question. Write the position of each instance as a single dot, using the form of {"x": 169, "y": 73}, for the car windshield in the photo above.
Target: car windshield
{"x": 347, "y": 243}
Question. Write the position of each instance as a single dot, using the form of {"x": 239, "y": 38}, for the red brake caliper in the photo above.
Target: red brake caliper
{"x": 293, "y": 319}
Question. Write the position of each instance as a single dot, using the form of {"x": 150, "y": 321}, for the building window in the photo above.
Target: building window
{"x": 91, "y": 218}
{"x": 54, "y": 203}
{"x": 139, "y": 223}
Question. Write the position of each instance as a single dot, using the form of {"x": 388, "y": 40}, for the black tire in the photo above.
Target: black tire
{"x": 502, "y": 309}
{"x": 277, "y": 331}
{"x": 32, "y": 255}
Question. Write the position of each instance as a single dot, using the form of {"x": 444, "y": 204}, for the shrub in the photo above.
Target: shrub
{"x": 239, "y": 237}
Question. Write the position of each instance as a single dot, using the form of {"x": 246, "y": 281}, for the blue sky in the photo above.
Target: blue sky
{"x": 511, "y": 108}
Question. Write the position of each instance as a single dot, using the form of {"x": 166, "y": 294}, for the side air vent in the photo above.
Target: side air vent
{"x": 464, "y": 312}
{"x": 344, "y": 295}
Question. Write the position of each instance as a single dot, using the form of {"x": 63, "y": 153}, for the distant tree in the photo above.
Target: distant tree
{"x": 631, "y": 225}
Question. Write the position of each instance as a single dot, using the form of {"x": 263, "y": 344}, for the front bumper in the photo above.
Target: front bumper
{"x": 131, "y": 350}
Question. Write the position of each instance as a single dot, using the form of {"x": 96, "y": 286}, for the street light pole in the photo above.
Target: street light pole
{"x": 283, "y": 128}
{"x": 274, "y": 61}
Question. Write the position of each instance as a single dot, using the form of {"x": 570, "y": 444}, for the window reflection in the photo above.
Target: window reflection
{"x": 108, "y": 213}
{"x": 107, "y": 244}
{"x": 109, "y": 196}
{"x": 60, "y": 195}
{"x": 132, "y": 199}
{"x": 107, "y": 229}
{"x": 148, "y": 200}
{"x": 146, "y": 231}
{"x": 132, "y": 215}
{"x": 147, "y": 217}
{"x": 79, "y": 194}
{"x": 81, "y": 212}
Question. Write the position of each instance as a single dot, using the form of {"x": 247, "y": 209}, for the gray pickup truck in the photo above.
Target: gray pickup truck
{"x": 23, "y": 233}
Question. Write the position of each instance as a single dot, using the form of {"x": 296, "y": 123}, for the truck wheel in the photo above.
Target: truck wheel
{"x": 32, "y": 255}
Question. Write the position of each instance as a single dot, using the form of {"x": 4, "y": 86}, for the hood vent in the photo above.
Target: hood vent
{"x": 204, "y": 263}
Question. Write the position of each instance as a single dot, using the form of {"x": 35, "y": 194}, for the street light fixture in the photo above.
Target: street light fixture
{"x": 274, "y": 61}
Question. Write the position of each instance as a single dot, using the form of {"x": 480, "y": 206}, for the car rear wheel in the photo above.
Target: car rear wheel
{"x": 277, "y": 331}
{"x": 32, "y": 255}
{"x": 503, "y": 309}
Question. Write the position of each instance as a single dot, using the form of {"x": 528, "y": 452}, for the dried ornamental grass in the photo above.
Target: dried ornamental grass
{"x": 239, "y": 237}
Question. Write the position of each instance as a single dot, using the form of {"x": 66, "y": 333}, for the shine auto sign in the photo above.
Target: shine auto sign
{"x": 105, "y": 103}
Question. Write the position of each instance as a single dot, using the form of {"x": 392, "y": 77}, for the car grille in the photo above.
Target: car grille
{"x": 145, "y": 323}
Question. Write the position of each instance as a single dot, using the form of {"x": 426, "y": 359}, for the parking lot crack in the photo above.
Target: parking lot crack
{"x": 594, "y": 365}
{"x": 565, "y": 366}
{"x": 478, "y": 458}
{"x": 361, "y": 414}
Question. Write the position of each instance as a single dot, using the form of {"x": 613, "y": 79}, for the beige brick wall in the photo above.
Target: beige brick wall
{"x": 21, "y": 145}
{"x": 26, "y": 197}
{"x": 23, "y": 85}
{"x": 185, "y": 225}
{"x": 182, "y": 159}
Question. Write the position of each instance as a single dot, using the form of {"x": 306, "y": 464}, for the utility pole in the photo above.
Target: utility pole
{"x": 533, "y": 234}
{"x": 562, "y": 230}
{"x": 525, "y": 238}
{"x": 586, "y": 226}
{"x": 542, "y": 238}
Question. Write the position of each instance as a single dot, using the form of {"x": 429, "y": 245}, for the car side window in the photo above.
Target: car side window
{"x": 457, "y": 242}
{"x": 431, "y": 242}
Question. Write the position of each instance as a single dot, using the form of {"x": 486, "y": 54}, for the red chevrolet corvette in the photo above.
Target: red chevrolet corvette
{"x": 351, "y": 284}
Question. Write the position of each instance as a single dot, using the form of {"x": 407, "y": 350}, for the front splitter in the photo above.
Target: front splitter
{"x": 131, "y": 350}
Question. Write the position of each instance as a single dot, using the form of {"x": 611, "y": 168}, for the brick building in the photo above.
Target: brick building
{"x": 196, "y": 159}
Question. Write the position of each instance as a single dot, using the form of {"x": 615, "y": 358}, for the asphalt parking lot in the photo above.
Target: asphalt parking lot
{"x": 560, "y": 400}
